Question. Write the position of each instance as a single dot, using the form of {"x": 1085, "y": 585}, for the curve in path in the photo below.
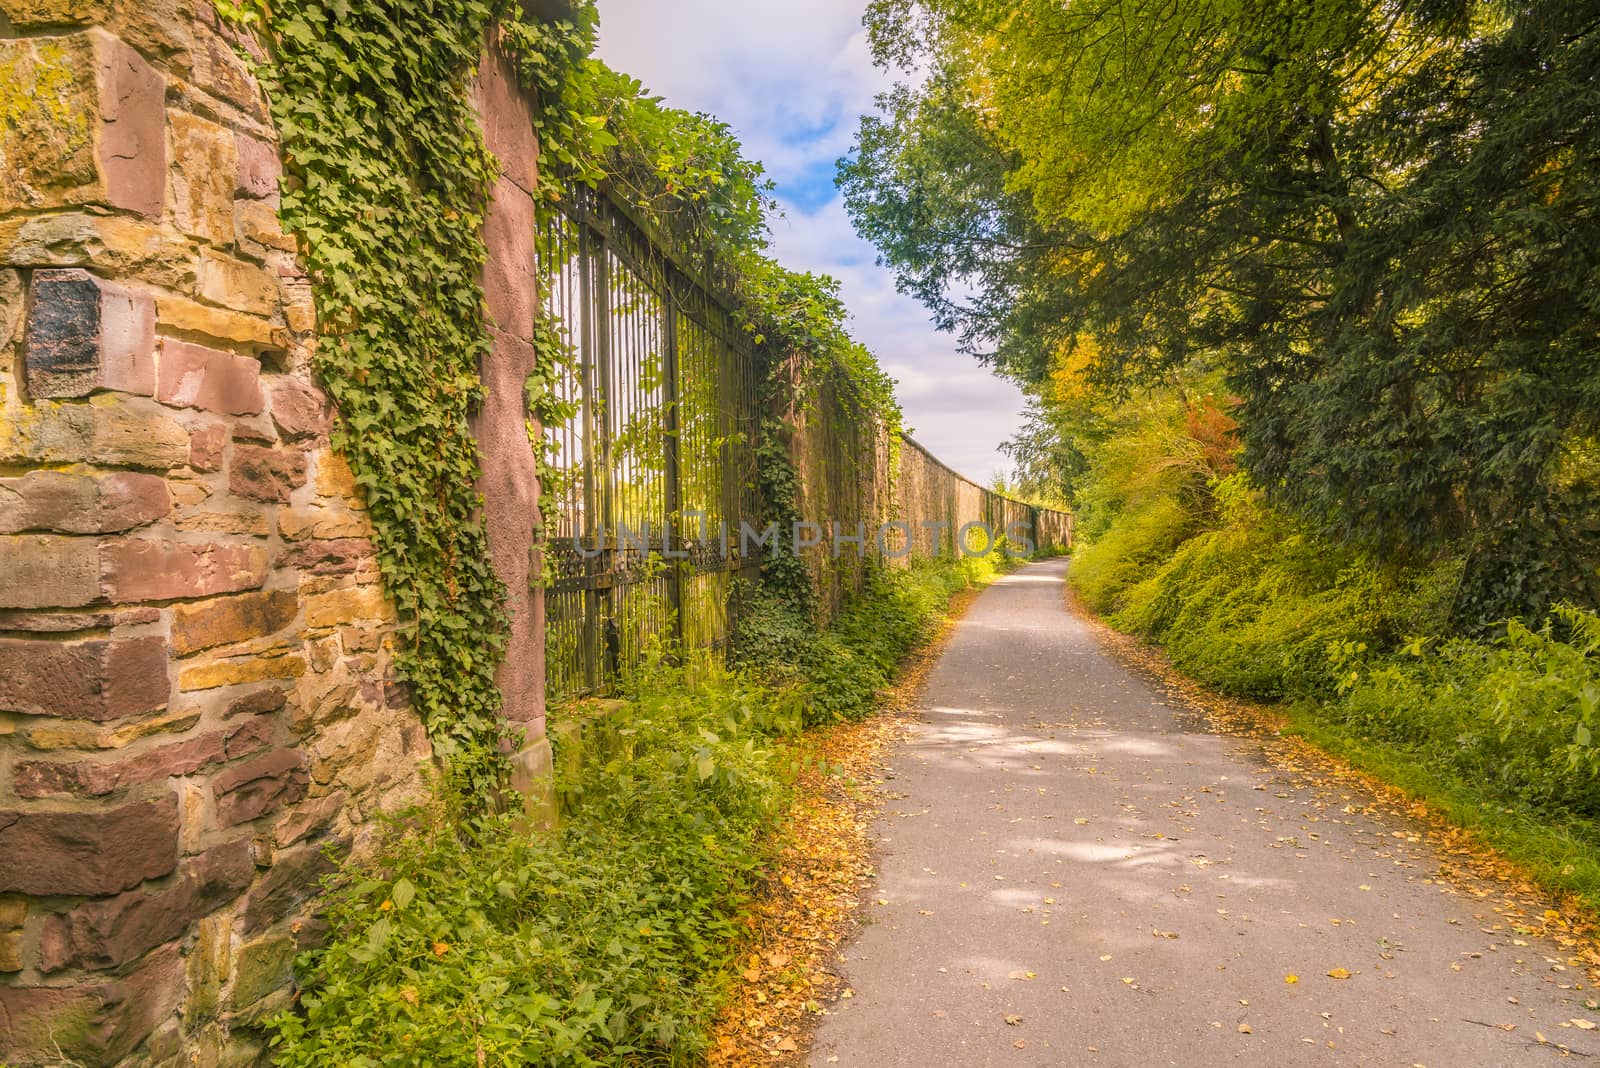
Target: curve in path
{"x": 1075, "y": 871}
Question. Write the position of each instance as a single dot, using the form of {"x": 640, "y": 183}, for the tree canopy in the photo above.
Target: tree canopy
{"x": 1377, "y": 221}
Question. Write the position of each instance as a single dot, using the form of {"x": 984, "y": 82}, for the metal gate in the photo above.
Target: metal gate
{"x": 657, "y": 465}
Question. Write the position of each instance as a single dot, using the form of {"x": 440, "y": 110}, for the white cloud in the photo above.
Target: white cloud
{"x": 791, "y": 79}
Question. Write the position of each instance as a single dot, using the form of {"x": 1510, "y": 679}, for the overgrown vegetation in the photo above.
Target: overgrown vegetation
{"x": 1376, "y": 224}
{"x": 1498, "y": 731}
{"x": 467, "y": 940}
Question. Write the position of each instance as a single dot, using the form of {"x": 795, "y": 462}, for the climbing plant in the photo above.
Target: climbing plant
{"x": 386, "y": 185}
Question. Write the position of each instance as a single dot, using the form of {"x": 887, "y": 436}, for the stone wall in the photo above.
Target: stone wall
{"x": 195, "y": 692}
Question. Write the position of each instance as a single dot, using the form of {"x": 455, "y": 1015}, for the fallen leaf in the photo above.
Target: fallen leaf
{"x": 1586, "y": 1025}
{"x": 787, "y": 1045}
{"x": 1013, "y": 1019}
{"x": 1338, "y": 973}
{"x": 1291, "y": 978}
{"x": 1246, "y": 1029}
{"x": 1020, "y": 1043}
{"x": 1023, "y": 976}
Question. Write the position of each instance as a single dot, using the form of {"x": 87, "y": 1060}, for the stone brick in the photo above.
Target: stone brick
{"x": 322, "y": 523}
{"x": 258, "y": 703}
{"x": 255, "y": 222}
{"x": 337, "y": 556}
{"x": 95, "y": 1023}
{"x": 179, "y": 315}
{"x": 295, "y": 876}
{"x": 235, "y": 284}
{"x": 141, "y": 569}
{"x": 205, "y": 447}
{"x": 68, "y": 622}
{"x": 193, "y": 376}
{"x": 56, "y": 736}
{"x": 13, "y": 914}
{"x": 240, "y": 672}
{"x": 202, "y": 177}
{"x": 48, "y": 572}
{"x": 208, "y": 967}
{"x": 221, "y": 73}
{"x": 251, "y": 736}
{"x": 86, "y": 334}
{"x": 336, "y": 480}
{"x": 78, "y": 504}
{"x": 93, "y": 680}
{"x": 81, "y": 121}
{"x": 227, "y": 620}
{"x": 308, "y": 819}
{"x": 111, "y": 932}
{"x": 301, "y": 412}
{"x": 96, "y": 778}
{"x": 132, "y": 145}
{"x": 47, "y": 116}
{"x": 37, "y": 14}
{"x": 269, "y": 475}
{"x": 259, "y": 167}
{"x": 262, "y": 968}
{"x": 261, "y": 785}
{"x": 96, "y": 853}
{"x": 348, "y": 606}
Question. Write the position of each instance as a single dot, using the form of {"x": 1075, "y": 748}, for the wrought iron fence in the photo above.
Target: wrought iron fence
{"x": 658, "y": 468}
{"x": 658, "y": 462}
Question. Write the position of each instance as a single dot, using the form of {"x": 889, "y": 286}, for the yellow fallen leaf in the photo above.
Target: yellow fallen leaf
{"x": 1291, "y": 978}
{"x": 1584, "y": 1025}
{"x": 1013, "y": 1019}
{"x": 1338, "y": 973}
{"x": 440, "y": 949}
{"x": 1246, "y": 1029}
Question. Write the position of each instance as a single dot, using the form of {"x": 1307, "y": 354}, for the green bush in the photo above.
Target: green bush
{"x": 1516, "y": 716}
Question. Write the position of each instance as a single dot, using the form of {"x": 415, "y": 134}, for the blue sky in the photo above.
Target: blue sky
{"x": 791, "y": 78}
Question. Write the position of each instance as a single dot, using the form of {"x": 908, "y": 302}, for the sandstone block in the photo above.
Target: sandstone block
{"x": 219, "y": 72}
{"x": 269, "y": 475}
{"x": 202, "y": 177}
{"x": 322, "y": 523}
{"x": 258, "y": 702}
{"x": 301, "y": 412}
{"x": 295, "y": 876}
{"x": 335, "y": 556}
{"x": 86, "y": 334}
{"x": 348, "y": 606}
{"x": 48, "y": 572}
{"x": 93, "y": 680}
{"x": 255, "y": 222}
{"x": 193, "y": 376}
{"x": 205, "y": 447}
{"x": 95, "y": 853}
{"x": 99, "y": 736}
{"x": 95, "y": 1023}
{"x": 68, "y": 622}
{"x": 227, "y": 620}
{"x": 111, "y": 932}
{"x": 259, "y": 786}
{"x": 335, "y": 480}
{"x": 262, "y": 967}
{"x": 308, "y": 819}
{"x": 78, "y": 504}
{"x": 82, "y": 121}
{"x": 259, "y": 167}
{"x": 96, "y": 778}
{"x": 235, "y": 284}
{"x": 179, "y": 315}
{"x": 30, "y": 14}
{"x": 240, "y": 672}
{"x": 140, "y": 569}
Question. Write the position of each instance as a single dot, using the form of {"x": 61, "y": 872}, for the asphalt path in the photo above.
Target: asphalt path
{"x": 1075, "y": 869}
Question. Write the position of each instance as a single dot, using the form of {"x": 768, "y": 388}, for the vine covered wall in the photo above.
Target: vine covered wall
{"x": 200, "y": 701}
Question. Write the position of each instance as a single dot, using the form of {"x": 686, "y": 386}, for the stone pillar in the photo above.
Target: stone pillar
{"x": 509, "y": 470}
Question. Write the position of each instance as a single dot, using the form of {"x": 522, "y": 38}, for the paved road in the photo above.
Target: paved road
{"x": 1074, "y": 871}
